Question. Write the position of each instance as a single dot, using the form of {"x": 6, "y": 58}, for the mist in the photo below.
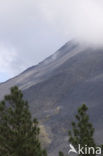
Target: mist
{"x": 32, "y": 30}
{"x": 78, "y": 19}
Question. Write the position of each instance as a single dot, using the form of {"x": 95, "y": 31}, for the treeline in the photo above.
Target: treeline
{"x": 19, "y": 133}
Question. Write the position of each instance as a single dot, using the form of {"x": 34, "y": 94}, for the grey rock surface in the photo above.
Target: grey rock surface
{"x": 56, "y": 87}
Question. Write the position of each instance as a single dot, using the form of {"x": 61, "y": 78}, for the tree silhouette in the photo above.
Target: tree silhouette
{"x": 18, "y": 132}
{"x": 82, "y": 130}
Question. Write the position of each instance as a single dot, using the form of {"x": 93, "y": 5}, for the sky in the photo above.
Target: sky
{"x": 31, "y": 30}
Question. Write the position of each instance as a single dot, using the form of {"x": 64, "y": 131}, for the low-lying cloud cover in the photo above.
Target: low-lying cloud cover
{"x": 31, "y": 30}
{"x": 81, "y": 19}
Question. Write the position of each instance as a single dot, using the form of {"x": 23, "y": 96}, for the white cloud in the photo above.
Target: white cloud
{"x": 31, "y": 30}
{"x": 80, "y": 19}
{"x": 8, "y": 55}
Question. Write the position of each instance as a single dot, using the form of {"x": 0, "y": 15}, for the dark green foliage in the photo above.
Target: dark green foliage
{"x": 18, "y": 132}
{"x": 82, "y": 130}
{"x": 61, "y": 154}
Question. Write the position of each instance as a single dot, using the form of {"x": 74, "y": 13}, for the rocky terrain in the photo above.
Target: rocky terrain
{"x": 57, "y": 86}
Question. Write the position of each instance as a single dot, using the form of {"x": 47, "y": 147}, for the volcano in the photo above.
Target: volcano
{"x": 56, "y": 87}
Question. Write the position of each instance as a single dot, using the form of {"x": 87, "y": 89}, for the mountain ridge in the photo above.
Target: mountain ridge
{"x": 57, "y": 86}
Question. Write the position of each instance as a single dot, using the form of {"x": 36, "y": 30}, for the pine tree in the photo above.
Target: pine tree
{"x": 82, "y": 130}
{"x": 18, "y": 132}
{"x": 61, "y": 153}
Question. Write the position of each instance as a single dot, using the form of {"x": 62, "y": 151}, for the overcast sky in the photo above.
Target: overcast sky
{"x": 31, "y": 30}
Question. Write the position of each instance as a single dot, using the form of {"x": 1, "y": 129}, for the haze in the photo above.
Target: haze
{"x": 31, "y": 30}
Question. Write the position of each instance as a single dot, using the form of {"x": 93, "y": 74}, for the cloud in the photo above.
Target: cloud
{"x": 8, "y": 55}
{"x": 80, "y": 19}
{"x": 23, "y": 28}
{"x": 32, "y": 30}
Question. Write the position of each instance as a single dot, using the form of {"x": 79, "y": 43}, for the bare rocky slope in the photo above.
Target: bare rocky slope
{"x": 57, "y": 86}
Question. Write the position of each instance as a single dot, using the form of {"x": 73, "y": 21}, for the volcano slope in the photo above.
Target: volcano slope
{"x": 56, "y": 87}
